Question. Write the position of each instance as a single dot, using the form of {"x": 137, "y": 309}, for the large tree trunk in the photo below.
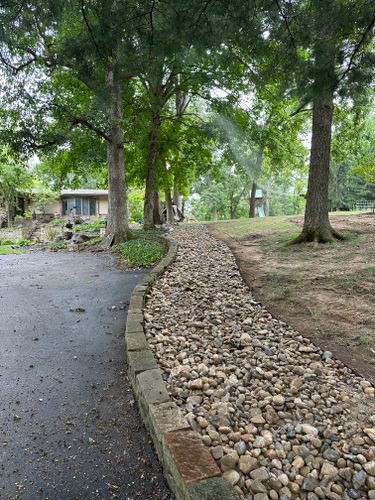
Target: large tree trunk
{"x": 117, "y": 225}
{"x": 148, "y": 210}
{"x": 157, "y": 214}
{"x": 252, "y": 200}
{"x": 316, "y": 226}
{"x": 169, "y": 206}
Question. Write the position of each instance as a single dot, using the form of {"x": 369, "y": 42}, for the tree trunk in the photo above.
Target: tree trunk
{"x": 267, "y": 210}
{"x": 148, "y": 210}
{"x": 117, "y": 225}
{"x": 157, "y": 211}
{"x": 9, "y": 213}
{"x": 169, "y": 205}
{"x": 177, "y": 198}
{"x": 252, "y": 200}
{"x": 316, "y": 226}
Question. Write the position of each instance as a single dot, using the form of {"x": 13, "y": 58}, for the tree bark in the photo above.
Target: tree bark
{"x": 148, "y": 210}
{"x": 169, "y": 206}
{"x": 316, "y": 226}
{"x": 117, "y": 224}
{"x": 252, "y": 200}
{"x": 157, "y": 211}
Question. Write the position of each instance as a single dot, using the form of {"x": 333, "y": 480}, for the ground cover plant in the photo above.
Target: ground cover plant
{"x": 140, "y": 252}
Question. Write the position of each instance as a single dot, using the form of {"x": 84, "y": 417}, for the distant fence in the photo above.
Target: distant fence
{"x": 365, "y": 205}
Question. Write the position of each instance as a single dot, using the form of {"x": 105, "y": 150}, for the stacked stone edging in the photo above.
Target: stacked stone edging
{"x": 189, "y": 467}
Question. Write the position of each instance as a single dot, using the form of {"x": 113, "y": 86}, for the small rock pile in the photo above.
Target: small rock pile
{"x": 282, "y": 418}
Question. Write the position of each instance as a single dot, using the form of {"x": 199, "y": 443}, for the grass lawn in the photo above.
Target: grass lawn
{"x": 7, "y": 249}
{"x": 241, "y": 227}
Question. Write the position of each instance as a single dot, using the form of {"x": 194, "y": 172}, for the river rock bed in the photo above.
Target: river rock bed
{"x": 282, "y": 418}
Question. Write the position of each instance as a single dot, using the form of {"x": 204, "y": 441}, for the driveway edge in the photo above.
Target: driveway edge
{"x": 189, "y": 467}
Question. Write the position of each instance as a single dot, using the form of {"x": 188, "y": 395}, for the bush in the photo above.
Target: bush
{"x": 23, "y": 242}
{"x": 58, "y": 221}
{"x": 92, "y": 242}
{"x": 92, "y": 226}
{"x": 7, "y": 242}
{"x": 140, "y": 253}
{"x": 58, "y": 245}
{"x": 51, "y": 232}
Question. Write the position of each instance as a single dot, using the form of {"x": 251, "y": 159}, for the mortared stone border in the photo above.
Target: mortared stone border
{"x": 189, "y": 467}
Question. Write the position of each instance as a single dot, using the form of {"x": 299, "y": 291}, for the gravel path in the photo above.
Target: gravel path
{"x": 281, "y": 417}
{"x": 69, "y": 425}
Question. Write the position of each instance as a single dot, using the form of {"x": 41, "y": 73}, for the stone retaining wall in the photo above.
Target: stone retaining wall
{"x": 190, "y": 469}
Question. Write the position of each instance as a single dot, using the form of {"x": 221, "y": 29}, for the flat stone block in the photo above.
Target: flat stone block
{"x": 135, "y": 315}
{"x": 136, "y": 341}
{"x": 151, "y": 387}
{"x": 133, "y": 326}
{"x": 168, "y": 417}
{"x": 140, "y": 361}
{"x": 191, "y": 458}
{"x": 136, "y": 302}
{"x": 215, "y": 488}
{"x": 140, "y": 289}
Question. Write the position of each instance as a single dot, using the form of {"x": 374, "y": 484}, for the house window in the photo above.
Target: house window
{"x": 79, "y": 206}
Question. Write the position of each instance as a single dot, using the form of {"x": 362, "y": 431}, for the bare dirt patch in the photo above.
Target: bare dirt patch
{"x": 325, "y": 292}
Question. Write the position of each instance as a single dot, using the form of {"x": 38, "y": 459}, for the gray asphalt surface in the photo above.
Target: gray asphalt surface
{"x": 69, "y": 426}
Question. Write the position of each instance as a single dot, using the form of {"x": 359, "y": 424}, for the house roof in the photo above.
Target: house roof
{"x": 84, "y": 192}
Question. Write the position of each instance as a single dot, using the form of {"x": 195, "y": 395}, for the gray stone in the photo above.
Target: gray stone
{"x": 261, "y": 474}
{"x": 136, "y": 341}
{"x": 240, "y": 447}
{"x": 140, "y": 361}
{"x": 359, "y": 479}
{"x": 258, "y": 487}
{"x": 331, "y": 455}
{"x": 310, "y": 483}
{"x": 151, "y": 387}
{"x": 211, "y": 489}
{"x": 232, "y": 476}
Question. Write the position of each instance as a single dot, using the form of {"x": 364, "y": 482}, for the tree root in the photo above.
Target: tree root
{"x": 316, "y": 236}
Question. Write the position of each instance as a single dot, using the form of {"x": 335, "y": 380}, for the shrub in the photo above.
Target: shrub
{"x": 141, "y": 252}
{"x": 51, "y": 232}
{"x": 7, "y": 242}
{"x": 58, "y": 221}
{"x": 58, "y": 245}
{"x": 92, "y": 242}
{"x": 92, "y": 226}
{"x": 23, "y": 242}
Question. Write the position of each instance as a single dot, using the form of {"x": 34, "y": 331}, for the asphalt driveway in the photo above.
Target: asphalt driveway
{"x": 69, "y": 427}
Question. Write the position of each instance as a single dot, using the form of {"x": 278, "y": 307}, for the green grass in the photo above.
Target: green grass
{"x": 140, "y": 252}
{"x": 92, "y": 226}
{"x": 243, "y": 227}
{"x": 20, "y": 243}
{"x": 7, "y": 250}
{"x": 281, "y": 224}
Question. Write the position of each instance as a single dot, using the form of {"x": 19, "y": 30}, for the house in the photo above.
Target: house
{"x": 84, "y": 202}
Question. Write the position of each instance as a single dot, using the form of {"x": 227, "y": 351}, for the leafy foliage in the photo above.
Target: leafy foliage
{"x": 140, "y": 252}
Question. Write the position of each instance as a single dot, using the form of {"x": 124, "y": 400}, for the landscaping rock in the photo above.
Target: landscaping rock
{"x": 282, "y": 418}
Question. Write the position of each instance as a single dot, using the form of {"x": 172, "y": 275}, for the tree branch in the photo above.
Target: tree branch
{"x": 286, "y": 24}
{"x": 360, "y": 43}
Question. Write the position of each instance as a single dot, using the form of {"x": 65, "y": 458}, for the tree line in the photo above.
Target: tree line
{"x": 164, "y": 93}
